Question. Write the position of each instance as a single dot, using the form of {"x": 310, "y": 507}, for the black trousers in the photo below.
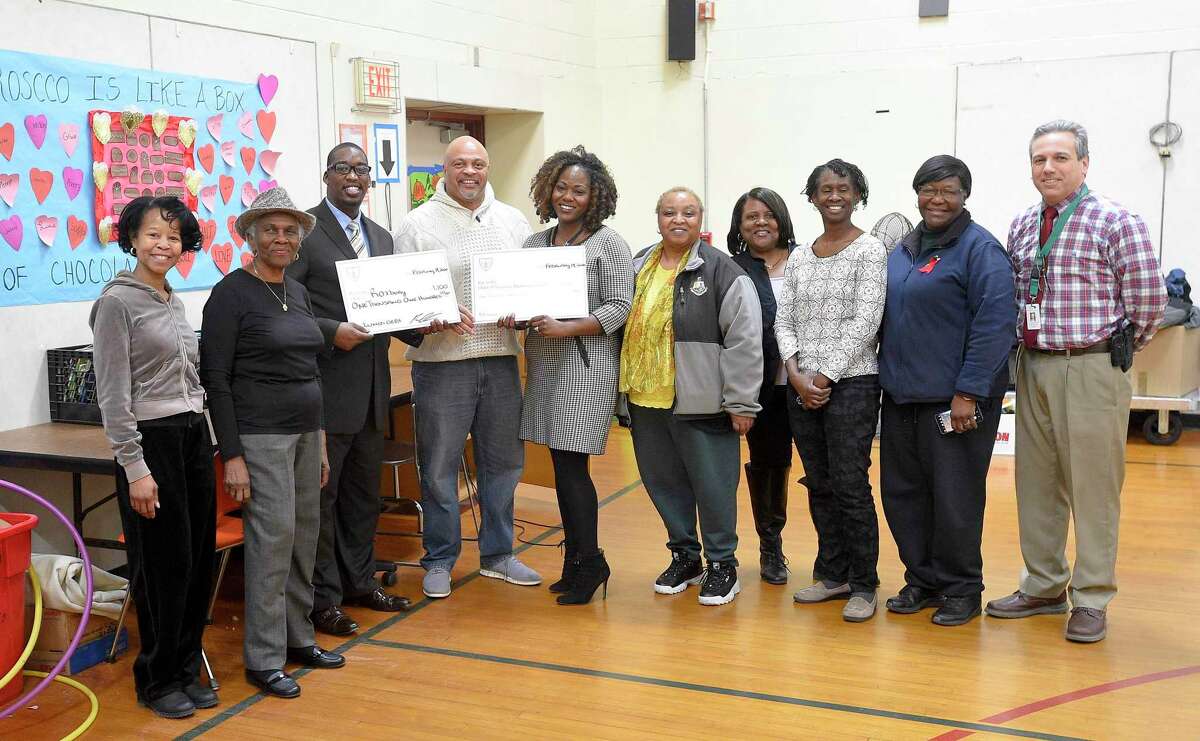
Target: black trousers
{"x": 835, "y": 447}
{"x": 350, "y": 506}
{"x": 576, "y": 502}
{"x": 934, "y": 490}
{"x": 770, "y": 439}
{"x": 171, "y": 556}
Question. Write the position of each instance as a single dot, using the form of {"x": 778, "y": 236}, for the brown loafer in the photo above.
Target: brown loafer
{"x": 333, "y": 621}
{"x": 379, "y": 600}
{"x": 1087, "y": 625}
{"x": 1019, "y": 605}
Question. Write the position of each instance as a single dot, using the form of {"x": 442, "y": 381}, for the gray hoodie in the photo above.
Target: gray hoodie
{"x": 145, "y": 356}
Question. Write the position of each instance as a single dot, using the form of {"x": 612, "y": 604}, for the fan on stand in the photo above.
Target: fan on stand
{"x": 891, "y": 229}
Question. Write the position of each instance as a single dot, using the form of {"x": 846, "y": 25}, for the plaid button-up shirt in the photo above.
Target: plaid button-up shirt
{"x": 1103, "y": 269}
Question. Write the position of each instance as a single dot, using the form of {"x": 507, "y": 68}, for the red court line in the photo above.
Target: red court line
{"x": 1066, "y": 697}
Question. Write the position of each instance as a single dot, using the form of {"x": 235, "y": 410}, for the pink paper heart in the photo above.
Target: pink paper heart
{"x": 208, "y": 196}
{"x": 268, "y": 85}
{"x": 36, "y": 126}
{"x": 12, "y": 230}
{"x": 47, "y": 228}
{"x": 68, "y": 136}
{"x": 265, "y": 185}
{"x": 248, "y": 194}
{"x": 246, "y": 125}
{"x": 227, "y": 153}
{"x": 8, "y": 187}
{"x": 246, "y": 258}
{"x": 214, "y": 126}
{"x": 72, "y": 181}
{"x": 267, "y": 160}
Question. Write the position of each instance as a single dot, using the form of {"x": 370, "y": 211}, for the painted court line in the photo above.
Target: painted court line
{"x": 714, "y": 690}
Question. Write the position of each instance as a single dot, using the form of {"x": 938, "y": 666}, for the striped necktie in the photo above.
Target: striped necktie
{"x": 356, "y": 239}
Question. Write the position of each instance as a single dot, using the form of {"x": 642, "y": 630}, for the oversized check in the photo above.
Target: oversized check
{"x": 392, "y": 292}
{"x": 528, "y": 283}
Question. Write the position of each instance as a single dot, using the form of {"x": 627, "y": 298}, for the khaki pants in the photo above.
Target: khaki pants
{"x": 1072, "y": 419}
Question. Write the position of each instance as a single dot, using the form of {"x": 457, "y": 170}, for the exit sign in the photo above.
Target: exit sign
{"x": 377, "y": 85}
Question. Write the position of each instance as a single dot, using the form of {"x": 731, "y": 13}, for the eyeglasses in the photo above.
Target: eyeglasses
{"x": 928, "y": 191}
{"x": 343, "y": 168}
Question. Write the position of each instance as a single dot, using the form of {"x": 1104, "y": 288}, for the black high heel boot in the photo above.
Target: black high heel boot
{"x": 592, "y": 573}
{"x": 570, "y": 567}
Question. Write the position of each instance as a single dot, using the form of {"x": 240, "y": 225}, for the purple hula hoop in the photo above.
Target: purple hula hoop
{"x": 87, "y": 605}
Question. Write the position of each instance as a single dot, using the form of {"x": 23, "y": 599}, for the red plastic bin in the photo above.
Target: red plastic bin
{"x": 15, "y": 545}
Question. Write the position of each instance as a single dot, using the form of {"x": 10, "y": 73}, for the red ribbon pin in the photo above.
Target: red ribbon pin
{"x": 928, "y": 267}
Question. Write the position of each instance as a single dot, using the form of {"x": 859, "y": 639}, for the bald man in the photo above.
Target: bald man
{"x": 465, "y": 377}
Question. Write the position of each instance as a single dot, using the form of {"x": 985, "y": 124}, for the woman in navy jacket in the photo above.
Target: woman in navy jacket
{"x": 948, "y": 324}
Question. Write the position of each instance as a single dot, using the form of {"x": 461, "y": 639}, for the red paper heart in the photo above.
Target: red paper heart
{"x": 186, "y": 262}
{"x": 208, "y": 232}
{"x": 225, "y": 183}
{"x": 8, "y": 137}
{"x": 77, "y": 229}
{"x": 247, "y": 258}
{"x": 266, "y": 124}
{"x": 222, "y": 255}
{"x": 41, "y": 182}
{"x": 205, "y": 156}
{"x": 248, "y": 157}
{"x": 233, "y": 232}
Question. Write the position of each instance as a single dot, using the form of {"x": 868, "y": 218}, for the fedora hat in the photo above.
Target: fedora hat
{"x": 275, "y": 200}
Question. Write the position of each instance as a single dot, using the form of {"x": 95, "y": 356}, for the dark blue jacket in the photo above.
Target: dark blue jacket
{"x": 948, "y": 329}
{"x": 756, "y": 268}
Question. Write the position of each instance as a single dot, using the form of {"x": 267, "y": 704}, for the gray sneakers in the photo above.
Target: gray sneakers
{"x": 820, "y": 593}
{"x": 860, "y": 608}
{"x": 512, "y": 571}
{"x": 436, "y": 583}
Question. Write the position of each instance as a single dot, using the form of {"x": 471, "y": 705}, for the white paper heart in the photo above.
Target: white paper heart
{"x": 246, "y": 125}
{"x": 227, "y": 153}
{"x": 159, "y": 122}
{"x": 102, "y": 127}
{"x": 214, "y": 125}
{"x": 100, "y": 174}
{"x": 105, "y": 230}
{"x": 187, "y": 132}
{"x": 193, "y": 179}
{"x": 47, "y": 227}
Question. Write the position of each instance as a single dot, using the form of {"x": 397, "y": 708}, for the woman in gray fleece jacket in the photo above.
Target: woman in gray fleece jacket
{"x": 145, "y": 356}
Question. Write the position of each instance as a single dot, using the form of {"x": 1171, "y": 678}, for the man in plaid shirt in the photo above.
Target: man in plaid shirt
{"x": 1086, "y": 270}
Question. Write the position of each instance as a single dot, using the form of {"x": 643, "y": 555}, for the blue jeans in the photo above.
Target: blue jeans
{"x": 482, "y": 397}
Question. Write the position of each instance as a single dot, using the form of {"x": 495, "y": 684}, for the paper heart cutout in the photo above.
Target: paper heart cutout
{"x": 36, "y": 126}
{"x": 267, "y": 161}
{"x": 208, "y": 196}
{"x": 248, "y": 154}
{"x": 204, "y": 155}
{"x": 231, "y": 224}
{"x": 193, "y": 179}
{"x": 187, "y": 132}
{"x": 131, "y": 119}
{"x": 68, "y": 136}
{"x": 246, "y": 125}
{"x": 266, "y": 124}
{"x": 12, "y": 230}
{"x": 214, "y": 125}
{"x": 100, "y": 174}
{"x": 248, "y": 194}
{"x": 76, "y": 231}
{"x": 208, "y": 232}
{"x": 222, "y": 255}
{"x": 186, "y": 261}
{"x": 227, "y": 153}
{"x": 159, "y": 121}
{"x": 225, "y": 185}
{"x": 265, "y": 185}
{"x": 41, "y": 181}
{"x": 8, "y": 137}
{"x": 247, "y": 258}
{"x": 102, "y": 127}
{"x": 105, "y": 230}
{"x": 8, "y": 187}
{"x": 47, "y": 229}
{"x": 268, "y": 85}
{"x": 72, "y": 181}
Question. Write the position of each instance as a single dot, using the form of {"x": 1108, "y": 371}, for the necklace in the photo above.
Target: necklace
{"x": 570, "y": 241}
{"x": 282, "y": 301}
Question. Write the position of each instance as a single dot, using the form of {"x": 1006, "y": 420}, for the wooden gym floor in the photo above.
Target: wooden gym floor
{"x": 498, "y": 661}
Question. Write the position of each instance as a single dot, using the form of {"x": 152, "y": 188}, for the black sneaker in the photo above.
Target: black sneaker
{"x": 684, "y": 570}
{"x": 721, "y": 583}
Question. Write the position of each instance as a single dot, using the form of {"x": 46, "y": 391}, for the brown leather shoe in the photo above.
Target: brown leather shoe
{"x": 379, "y": 600}
{"x": 1019, "y": 605}
{"x": 1087, "y": 625}
{"x": 333, "y": 621}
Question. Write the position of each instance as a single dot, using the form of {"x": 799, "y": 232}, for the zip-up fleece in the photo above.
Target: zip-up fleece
{"x": 145, "y": 356}
{"x": 717, "y": 319}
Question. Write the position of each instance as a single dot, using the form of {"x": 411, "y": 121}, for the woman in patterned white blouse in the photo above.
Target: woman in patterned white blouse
{"x": 828, "y": 317}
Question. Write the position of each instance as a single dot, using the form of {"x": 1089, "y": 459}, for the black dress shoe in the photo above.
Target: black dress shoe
{"x": 172, "y": 705}
{"x": 316, "y": 657}
{"x": 274, "y": 682}
{"x": 333, "y": 621}
{"x": 913, "y": 599}
{"x": 377, "y": 599}
{"x": 201, "y": 695}
{"x": 957, "y": 610}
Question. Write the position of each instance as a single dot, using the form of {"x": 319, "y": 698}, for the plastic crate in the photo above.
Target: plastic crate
{"x": 72, "y": 383}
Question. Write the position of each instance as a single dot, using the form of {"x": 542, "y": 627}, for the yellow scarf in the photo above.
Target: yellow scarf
{"x": 648, "y": 352}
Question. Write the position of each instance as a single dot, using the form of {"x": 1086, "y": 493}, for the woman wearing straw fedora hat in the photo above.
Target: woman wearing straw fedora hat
{"x": 259, "y": 345}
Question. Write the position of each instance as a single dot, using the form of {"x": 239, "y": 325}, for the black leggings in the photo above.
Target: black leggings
{"x": 576, "y": 501}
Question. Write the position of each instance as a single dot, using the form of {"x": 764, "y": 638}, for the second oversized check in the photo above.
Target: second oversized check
{"x": 528, "y": 283}
{"x": 392, "y": 292}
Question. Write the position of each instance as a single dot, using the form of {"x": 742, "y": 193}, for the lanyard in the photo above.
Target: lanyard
{"x": 1039, "y": 260}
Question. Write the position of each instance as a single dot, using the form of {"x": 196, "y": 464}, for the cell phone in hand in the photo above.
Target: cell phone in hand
{"x": 945, "y": 426}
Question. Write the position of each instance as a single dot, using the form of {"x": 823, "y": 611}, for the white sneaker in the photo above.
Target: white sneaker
{"x": 512, "y": 571}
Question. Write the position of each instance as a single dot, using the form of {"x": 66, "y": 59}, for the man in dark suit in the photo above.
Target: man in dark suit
{"x": 356, "y": 382}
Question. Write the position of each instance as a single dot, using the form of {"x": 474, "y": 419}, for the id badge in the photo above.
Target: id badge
{"x": 1033, "y": 317}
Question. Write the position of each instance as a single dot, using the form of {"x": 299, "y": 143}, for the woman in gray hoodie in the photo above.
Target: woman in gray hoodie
{"x": 145, "y": 356}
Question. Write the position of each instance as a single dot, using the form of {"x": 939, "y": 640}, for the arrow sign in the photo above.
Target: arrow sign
{"x": 387, "y": 148}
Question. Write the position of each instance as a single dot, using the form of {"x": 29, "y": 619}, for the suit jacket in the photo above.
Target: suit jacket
{"x": 357, "y": 382}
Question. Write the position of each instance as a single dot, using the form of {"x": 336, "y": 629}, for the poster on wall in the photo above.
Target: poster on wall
{"x": 422, "y": 182}
{"x": 79, "y": 140}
